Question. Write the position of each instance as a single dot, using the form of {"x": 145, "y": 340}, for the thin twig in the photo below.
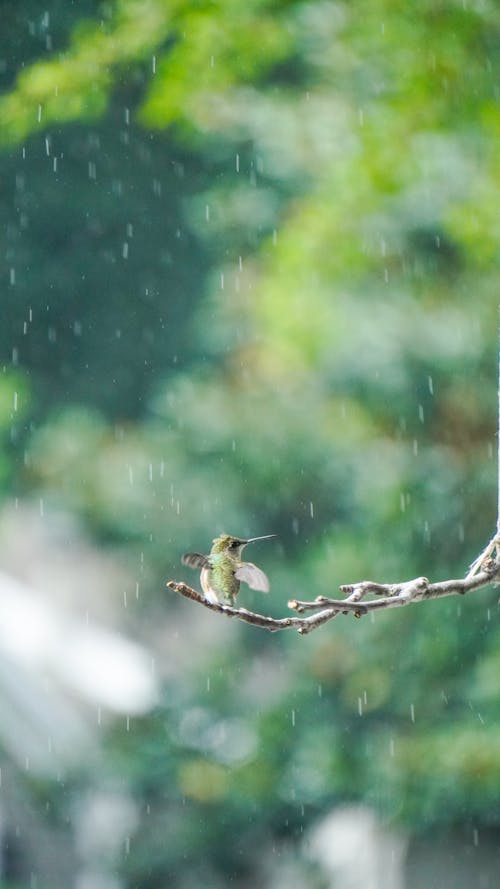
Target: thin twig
{"x": 416, "y": 590}
{"x": 490, "y": 552}
{"x": 388, "y": 595}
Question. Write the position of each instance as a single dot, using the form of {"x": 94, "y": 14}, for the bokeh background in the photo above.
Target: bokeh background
{"x": 249, "y": 282}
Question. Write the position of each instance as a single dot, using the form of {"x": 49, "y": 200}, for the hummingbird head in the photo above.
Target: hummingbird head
{"x": 233, "y": 545}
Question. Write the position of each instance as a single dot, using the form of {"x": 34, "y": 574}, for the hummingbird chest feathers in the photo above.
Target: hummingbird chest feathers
{"x": 218, "y": 579}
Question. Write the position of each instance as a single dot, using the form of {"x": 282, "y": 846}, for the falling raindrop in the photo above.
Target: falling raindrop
{"x": 427, "y": 532}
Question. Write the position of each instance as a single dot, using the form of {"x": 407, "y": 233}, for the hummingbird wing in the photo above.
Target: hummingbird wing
{"x": 253, "y": 576}
{"x": 195, "y": 560}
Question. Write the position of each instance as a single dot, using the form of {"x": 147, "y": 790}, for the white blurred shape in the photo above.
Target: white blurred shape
{"x": 105, "y": 819}
{"x": 49, "y": 662}
{"x": 356, "y": 851}
{"x": 103, "y": 667}
{"x": 108, "y": 669}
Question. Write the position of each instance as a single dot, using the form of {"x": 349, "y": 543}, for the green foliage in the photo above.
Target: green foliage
{"x": 76, "y": 85}
{"x": 312, "y": 353}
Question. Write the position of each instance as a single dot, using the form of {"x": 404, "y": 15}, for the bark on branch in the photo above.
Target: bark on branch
{"x": 384, "y": 595}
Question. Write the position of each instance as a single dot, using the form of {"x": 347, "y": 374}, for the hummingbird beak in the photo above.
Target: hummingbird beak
{"x": 264, "y": 537}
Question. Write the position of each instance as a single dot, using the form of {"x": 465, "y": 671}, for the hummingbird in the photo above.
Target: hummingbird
{"x": 222, "y": 570}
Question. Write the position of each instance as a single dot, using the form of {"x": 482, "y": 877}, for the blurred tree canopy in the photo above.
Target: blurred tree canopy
{"x": 251, "y": 284}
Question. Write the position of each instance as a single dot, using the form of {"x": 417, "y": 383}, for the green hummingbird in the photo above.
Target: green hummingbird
{"x": 222, "y": 570}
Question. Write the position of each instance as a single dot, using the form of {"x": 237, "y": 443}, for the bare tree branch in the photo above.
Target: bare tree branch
{"x": 387, "y": 595}
{"x": 301, "y": 624}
